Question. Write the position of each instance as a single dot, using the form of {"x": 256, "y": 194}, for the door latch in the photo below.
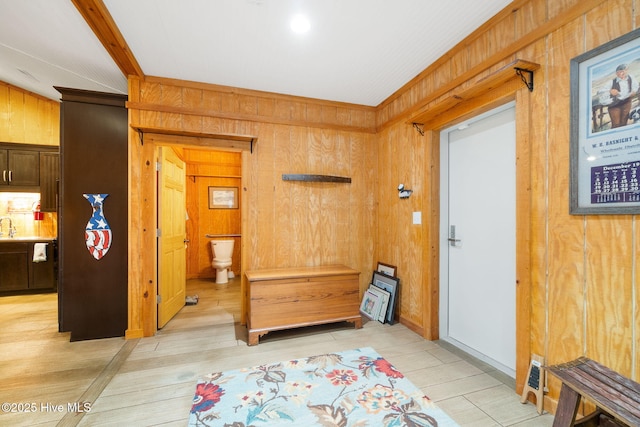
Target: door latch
{"x": 452, "y": 236}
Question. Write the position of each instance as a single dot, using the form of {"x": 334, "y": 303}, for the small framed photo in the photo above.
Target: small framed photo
{"x": 370, "y": 305}
{"x": 384, "y": 305}
{"x": 389, "y": 270}
{"x": 389, "y": 284}
{"x": 605, "y": 121}
{"x": 223, "y": 197}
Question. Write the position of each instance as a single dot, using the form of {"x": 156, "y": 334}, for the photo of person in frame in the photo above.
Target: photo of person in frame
{"x": 624, "y": 88}
{"x": 615, "y": 90}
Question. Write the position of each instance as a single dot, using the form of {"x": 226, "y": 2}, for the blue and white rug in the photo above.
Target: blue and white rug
{"x": 354, "y": 388}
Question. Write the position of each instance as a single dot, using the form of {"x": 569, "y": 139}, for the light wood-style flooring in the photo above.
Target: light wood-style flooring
{"x": 150, "y": 381}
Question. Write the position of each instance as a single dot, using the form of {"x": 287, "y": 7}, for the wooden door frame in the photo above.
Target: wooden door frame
{"x": 143, "y": 244}
{"x": 431, "y": 289}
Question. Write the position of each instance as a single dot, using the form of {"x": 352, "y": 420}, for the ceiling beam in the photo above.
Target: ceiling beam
{"x": 104, "y": 27}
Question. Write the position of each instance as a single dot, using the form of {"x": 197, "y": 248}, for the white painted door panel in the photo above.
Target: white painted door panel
{"x": 481, "y": 263}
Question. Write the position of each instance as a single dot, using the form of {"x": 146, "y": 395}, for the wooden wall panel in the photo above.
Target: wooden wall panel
{"x": 263, "y": 254}
{"x": 566, "y": 268}
{"x": 539, "y": 166}
{"x": 610, "y": 281}
{"x": 286, "y": 224}
{"x": 27, "y": 118}
{"x": 282, "y": 197}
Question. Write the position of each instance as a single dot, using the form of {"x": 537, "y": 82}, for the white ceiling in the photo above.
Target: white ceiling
{"x": 357, "y": 51}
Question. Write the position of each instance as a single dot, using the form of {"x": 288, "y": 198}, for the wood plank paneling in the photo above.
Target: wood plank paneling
{"x": 284, "y": 203}
{"x": 565, "y": 264}
{"x": 27, "y": 118}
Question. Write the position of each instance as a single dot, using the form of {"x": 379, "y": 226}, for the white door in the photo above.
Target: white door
{"x": 478, "y": 232}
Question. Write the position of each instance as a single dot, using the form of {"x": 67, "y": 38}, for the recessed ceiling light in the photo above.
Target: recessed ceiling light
{"x": 300, "y": 24}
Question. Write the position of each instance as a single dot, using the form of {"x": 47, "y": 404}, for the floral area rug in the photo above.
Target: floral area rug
{"x": 355, "y": 388}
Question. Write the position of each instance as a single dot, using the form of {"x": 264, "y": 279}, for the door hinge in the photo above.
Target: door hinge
{"x": 158, "y": 232}
{"x": 158, "y": 166}
{"x": 158, "y": 299}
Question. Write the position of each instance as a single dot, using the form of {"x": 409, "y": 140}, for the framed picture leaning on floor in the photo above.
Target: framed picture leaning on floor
{"x": 389, "y": 284}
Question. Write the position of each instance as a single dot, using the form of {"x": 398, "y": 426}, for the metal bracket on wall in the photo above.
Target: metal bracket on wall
{"x": 527, "y": 81}
{"x": 418, "y": 128}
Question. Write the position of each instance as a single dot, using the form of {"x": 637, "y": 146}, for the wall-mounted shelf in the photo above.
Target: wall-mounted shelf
{"x": 314, "y": 178}
{"x": 231, "y": 142}
{"x": 506, "y": 80}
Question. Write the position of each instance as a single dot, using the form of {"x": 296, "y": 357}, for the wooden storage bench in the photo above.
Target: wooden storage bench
{"x": 615, "y": 396}
{"x": 286, "y": 298}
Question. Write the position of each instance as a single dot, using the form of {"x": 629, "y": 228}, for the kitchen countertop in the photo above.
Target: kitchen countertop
{"x": 27, "y": 239}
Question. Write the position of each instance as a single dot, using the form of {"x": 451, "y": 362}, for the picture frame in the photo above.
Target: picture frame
{"x": 605, "y": 121}
{"x": 389, "y": 270}
{"x": 223, "y": 197}
{"x": 384, "y": 302}
{"x": 370, "y": 305}
{"x": 389, "y": 284}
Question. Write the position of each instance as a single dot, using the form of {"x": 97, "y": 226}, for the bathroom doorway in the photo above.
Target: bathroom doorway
{"x": 207, "y": 169}
{"x": 211, "y": 172}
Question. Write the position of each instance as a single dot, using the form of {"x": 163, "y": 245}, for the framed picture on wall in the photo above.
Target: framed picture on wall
{"x": 605, "y": 128}
{"x": 223, "y": 197}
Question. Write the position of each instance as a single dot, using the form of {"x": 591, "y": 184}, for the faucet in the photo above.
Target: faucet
{"x": 12, "y": 229}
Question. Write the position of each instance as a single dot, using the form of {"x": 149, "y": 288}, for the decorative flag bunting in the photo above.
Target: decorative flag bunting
{"x": 97, "y": 233}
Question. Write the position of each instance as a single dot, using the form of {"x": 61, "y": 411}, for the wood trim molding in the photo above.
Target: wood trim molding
{"x": 487, "y": 87}
{"x": 104, "y": 27}
{"x": 245, "y": 117}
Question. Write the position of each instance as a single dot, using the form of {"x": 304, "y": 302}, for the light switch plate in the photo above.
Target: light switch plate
{"x": 417, "y": 217}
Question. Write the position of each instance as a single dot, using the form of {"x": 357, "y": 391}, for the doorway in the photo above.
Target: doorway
{"x": 478, "y": 237}
{"x": 203, "y": 170}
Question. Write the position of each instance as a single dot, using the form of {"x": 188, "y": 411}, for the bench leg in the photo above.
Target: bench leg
{"x": 567, "y": 407}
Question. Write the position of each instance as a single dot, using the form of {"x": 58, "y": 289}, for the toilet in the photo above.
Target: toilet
{"x": 222, "y": 251}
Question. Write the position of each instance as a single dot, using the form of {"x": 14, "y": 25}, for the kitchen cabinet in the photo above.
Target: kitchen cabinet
{"x": 49, "y": 173}
{"x": 18, "y": 272}
{"x": 14, "y": 271}
{"x": 20, "y": 167}
{"x": 31, "y": 168}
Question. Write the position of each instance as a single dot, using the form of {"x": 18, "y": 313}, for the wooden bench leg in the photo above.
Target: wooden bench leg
{"x": 567, "y": 407}
{"x": 253, "y": 338}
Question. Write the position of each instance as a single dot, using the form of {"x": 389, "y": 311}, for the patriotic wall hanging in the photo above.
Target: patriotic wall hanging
{"x": 97, "y": 234}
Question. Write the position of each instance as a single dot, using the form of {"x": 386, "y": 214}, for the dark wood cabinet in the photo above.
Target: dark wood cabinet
{"x": 31, "y": 168}
{"x": 49, "y": 176}
{"x": 43, "y": 275}
{"x": 93, "y": 292}
{"x": 14, "y": 273}
{"x": 18, "y": 271}
{"x": 21, "y": 168}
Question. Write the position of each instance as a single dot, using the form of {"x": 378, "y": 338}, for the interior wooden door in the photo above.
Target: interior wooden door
{"x": 171, "y": 242}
